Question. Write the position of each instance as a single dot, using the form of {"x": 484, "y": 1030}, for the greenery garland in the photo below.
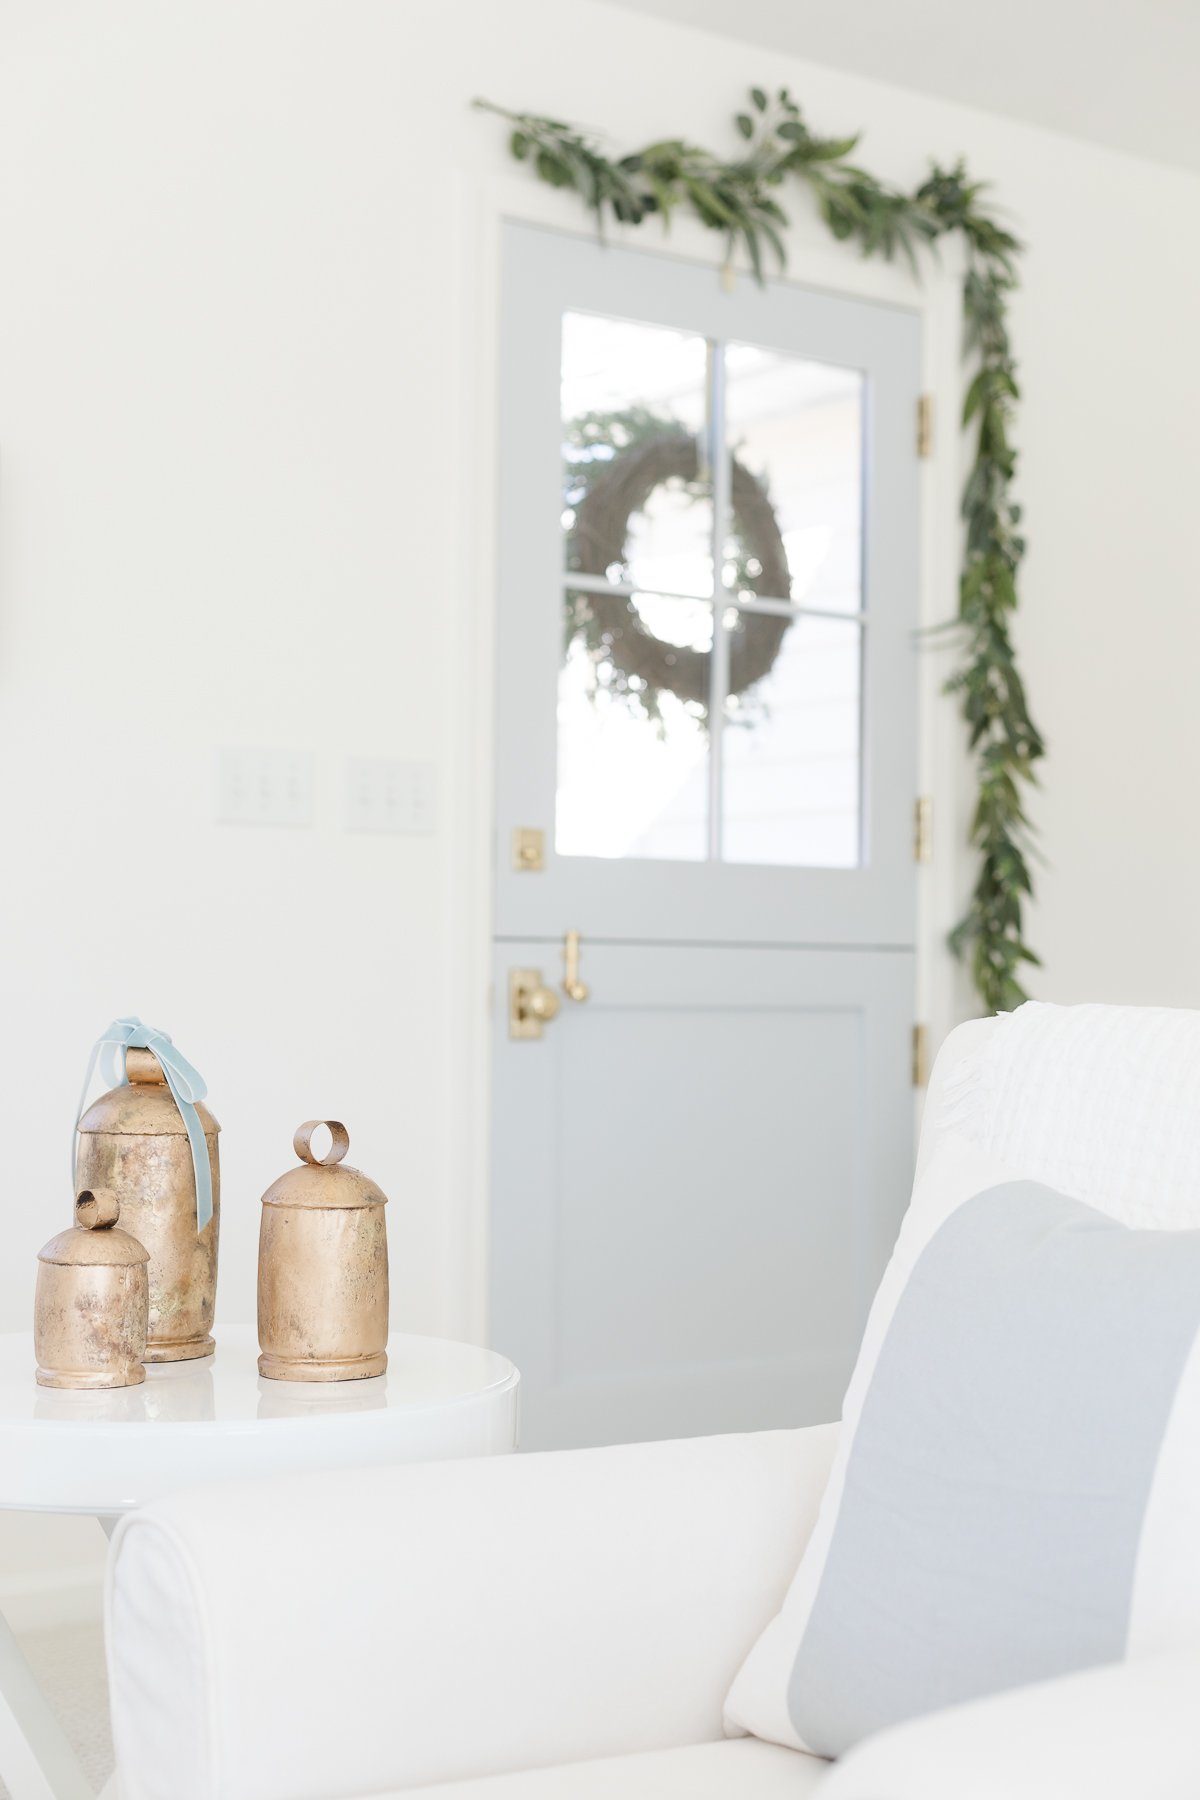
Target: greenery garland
{"x": 738, "y": 197}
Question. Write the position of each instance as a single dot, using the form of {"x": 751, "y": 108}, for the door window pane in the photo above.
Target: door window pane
{"x": 637, "y": 505}
{"x": 632, "y": 728}
{"x": 795, "y": 427}
{"x": 634, "y": 754}
{"x": 791, "y": 744}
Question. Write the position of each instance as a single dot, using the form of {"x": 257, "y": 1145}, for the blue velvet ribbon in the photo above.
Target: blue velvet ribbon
{"x": 186, "y": 1085}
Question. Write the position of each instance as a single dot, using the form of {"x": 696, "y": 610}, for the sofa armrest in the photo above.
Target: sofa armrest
{"x": 363, "y": 1630}
{"x": 1127, "y": 1731}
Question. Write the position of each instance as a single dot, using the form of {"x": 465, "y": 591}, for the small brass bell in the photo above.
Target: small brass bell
{"x": 322, "y": 1268}
{"x": 134, "y": 1141}
{"x": 92, "y": 1301}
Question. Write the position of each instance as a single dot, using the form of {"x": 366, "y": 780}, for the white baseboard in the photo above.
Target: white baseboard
{"x": 49, "y": 1599}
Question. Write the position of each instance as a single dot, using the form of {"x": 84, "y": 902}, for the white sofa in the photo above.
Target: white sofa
{"x": 550, "y": 1626}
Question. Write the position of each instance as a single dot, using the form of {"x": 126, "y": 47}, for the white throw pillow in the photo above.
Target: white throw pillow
{"x": 1017, "y": 1486}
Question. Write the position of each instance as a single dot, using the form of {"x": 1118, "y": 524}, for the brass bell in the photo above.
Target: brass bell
{"x": 133, "y": 1140}
{"x": 92, "y": 1301}
{"x": 322, "y": 1268}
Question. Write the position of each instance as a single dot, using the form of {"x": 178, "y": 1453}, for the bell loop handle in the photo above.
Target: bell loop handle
{"x": 96, "y": 1210}
{"x": 338, "y": 1145}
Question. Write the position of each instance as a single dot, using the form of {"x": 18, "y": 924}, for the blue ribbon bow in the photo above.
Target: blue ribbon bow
{"x": 186, "y": 1085}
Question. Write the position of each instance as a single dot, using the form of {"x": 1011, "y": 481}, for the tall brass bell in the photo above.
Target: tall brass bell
{"x": 322, "y": 1268}
{"x": 92, "y": 1301}
{"x": 133, "y": 1141}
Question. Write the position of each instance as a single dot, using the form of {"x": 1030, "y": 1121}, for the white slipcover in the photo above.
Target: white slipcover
{"x": 360, "y": 1631}
{"x": 565, "y": 1627}
{"x": 743, "y": 1769}
{"x": 1129, "y": 1731}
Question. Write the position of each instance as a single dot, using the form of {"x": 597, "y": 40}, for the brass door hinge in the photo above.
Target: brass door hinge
{"x": 920, "y": 1055}
{"x": 925, "y": 425}
{"x": 923, "y": 828}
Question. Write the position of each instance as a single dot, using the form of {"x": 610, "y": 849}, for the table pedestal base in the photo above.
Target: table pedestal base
{"x": 36, "y": 1761}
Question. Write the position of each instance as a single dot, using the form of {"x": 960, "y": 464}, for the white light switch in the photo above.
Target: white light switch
{"x": 384, "y": 795}
{"x": 264, "y": 787}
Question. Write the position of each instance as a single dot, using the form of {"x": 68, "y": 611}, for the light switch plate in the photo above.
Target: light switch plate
{"x": 264, "y": 787}
{"x": 385, "y": 795}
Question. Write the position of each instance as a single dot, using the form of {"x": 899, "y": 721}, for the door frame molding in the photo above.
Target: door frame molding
{"x": 943, "y": 991}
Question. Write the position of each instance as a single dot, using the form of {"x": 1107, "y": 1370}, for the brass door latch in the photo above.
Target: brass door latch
{"x": 573, "y": 988}
{"x": 531, "y": 1004}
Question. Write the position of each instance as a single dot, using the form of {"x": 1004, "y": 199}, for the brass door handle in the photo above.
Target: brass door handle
{"x": 573, "y": 988}
{"x": 531, "y": 1004}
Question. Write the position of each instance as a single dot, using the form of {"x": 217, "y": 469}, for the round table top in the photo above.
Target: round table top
{"x": 215, "y": 1418}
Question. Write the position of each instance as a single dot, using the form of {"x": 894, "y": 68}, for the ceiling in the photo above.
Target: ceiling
{"x": 1117, "y": 72}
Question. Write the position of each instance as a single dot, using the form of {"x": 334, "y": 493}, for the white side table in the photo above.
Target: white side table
{"x": 214, "y": 1419}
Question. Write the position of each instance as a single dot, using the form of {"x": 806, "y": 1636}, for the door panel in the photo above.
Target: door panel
{"x": 710, "y": 1191}
{"x": 706, "y": 698}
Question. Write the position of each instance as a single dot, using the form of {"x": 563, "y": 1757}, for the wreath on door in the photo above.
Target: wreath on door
{"x": 615, "y": 463}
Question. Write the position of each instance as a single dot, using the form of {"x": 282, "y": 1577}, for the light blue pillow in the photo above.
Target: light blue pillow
{"x": 1027, "y": 1363}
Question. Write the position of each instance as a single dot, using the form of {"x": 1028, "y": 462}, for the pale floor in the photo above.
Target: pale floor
{"x": 69, "y": 1664}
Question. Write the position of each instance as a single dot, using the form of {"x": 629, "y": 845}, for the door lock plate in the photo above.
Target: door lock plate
{"x": 528, "y": 850}
{"x": 531, "y": 1004}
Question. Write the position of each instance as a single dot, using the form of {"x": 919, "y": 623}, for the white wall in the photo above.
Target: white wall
{"x": 244, "y": 372}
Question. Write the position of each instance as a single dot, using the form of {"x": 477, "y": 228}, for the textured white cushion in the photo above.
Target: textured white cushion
{"x": 1018, "y": 1476}
{"x": 741, "y": 1770}
{"x": 1100, "y": 1102}
{"x": 1127, "y": 1732}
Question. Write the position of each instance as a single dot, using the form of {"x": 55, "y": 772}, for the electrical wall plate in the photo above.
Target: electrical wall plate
{"x": 387, "y": 795}
{"x": 257, "y": 786}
